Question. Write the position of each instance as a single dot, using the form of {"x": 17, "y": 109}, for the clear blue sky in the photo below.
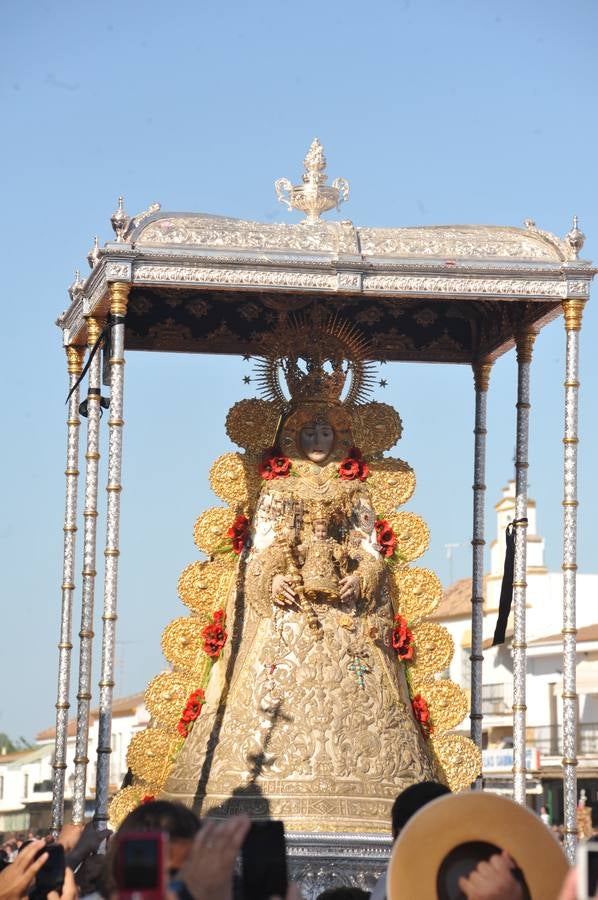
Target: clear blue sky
{"x": 436, "y": 112}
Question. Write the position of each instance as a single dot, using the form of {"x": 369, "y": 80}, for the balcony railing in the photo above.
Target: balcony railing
{"x": 547, "y": 739}
{"x": 496, "y": 699}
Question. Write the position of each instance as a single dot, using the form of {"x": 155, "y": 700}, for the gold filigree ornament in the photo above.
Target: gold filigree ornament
{"x": 391, "y": 483}
{"x": 447, "y": 702}
{"x": 126, "y": 800}
{"x": 252, "y": 424}
{"x": 203, "y": 585}
{"x": 459, "y": 760}
{"x": 415, "y": 592}
{"x": 210, "y": 529}
{"x": 412, "y": 534}
{"x": 235, "y": 479}
{"x": 434, "y": 649}
{"x": 376, "y": 427}
{"x": 166, "y": 695}
{"x": 151, "y": 754}
{"x": 182, "y": 641}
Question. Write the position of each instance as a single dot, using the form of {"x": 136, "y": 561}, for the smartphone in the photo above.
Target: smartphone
{"x": 587, "y": 870}
{"x": 140, "y": 865}
{"x": 264, "y": 862}
{"x": 51, "y": 875}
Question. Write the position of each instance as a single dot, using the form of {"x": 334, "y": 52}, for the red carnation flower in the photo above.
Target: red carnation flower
{"x": 353, "y": 466}
{"x": 274, "y": 464}
{"x": 214, "y": 635}
{"x": 183, "y": 728}
{"x": 422, "y": 714}
{"x": 402, "y": 639}
{"x": 281, "y": 466}
{"x": 385, "y": 537}
{"x": 265, "y": 470}
{"x": 239, "y": 532}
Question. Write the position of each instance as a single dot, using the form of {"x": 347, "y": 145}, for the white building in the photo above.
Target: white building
{"x": 26, "y": 777}
{"x": 544, "y": 619}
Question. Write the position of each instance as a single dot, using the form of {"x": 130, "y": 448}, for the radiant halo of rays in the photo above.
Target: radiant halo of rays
{"x": 302, "y": 347}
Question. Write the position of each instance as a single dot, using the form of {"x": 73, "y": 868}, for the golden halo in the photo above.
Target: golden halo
{"x": 315, "y": 359}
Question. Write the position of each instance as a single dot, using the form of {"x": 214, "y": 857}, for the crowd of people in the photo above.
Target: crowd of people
{"x": 201, "y": 857}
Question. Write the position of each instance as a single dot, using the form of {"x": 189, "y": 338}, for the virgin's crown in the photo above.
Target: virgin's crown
{"x": 317, "y": 381}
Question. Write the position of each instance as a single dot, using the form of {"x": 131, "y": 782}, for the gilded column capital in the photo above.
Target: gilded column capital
{"x": 74, "y": 359}
{"x": 119, "y": 296}
{"x": 573, "y": 310}
{"x": 94, "y": 329}
{"x": 481, "y": 376}
{"x": 524, "y": 341}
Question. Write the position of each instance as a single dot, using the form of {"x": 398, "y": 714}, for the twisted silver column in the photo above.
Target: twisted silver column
{"x": 481, "y": 374}
{"x": 74, "y": 366}
{"x": 119, "y": 292}
{"x": 573, "y": 313}
{"x": 525, "y": 343}
{"x": 90, "y": 514}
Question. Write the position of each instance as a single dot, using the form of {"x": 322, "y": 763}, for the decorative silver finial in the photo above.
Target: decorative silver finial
{"x": 575, "y": 237}
{"x": 94, "y": 254}
{"x": 119, "y": 221}
{"x": 76, "y": 288}
{"x": 314, "y": 196}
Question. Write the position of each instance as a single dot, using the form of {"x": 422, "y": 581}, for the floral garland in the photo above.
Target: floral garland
{"x": 214, "y": 635}
{"x": 191, "y": 712}
{"x": 274, "y": 464}
{"x": 353, "y": 466}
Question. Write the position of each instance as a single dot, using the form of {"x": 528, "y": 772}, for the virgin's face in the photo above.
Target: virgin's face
{"x": 317, "y": 440}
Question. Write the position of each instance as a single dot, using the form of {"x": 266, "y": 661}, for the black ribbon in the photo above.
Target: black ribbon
{"x": 93, "y": 392}
{"x": 506, "y": 590}
{"x": 105, "y": 339}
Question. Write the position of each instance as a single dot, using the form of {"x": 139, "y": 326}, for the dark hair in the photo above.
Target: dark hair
{"x": 176, "y": 820}
{"x": 411, "y": 800}
{"x": 344, "y": 893}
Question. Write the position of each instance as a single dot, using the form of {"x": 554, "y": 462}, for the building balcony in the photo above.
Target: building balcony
{"x": 548, "y": 739}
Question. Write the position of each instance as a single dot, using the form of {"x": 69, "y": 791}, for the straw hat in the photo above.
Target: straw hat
{"x": 450, "y": 835}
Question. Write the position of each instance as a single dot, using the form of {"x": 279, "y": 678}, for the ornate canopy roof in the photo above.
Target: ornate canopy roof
{"x": 205, "y": 283}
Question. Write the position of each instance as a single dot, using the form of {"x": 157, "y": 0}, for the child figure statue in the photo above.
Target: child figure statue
{"x": 322, "y": 556}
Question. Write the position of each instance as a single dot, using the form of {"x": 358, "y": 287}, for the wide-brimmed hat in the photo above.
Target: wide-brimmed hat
{"x": 449, "y": 836}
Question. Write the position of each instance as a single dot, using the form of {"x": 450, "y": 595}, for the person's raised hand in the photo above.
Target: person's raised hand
{"x": 69, "y": 888}
{"x": 18, "y": 877}
{"x": 492, "y": 879}
{"x": 88, "y": 843}
{"x": 70, "y": 836}
{"x": 207, "y": 873}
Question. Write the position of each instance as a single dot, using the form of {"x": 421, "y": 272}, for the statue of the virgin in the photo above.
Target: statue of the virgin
{"x": 305, "y": 683}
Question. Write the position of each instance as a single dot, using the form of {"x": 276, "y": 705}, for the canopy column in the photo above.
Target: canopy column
{"x": 119, "y": 293}
{"x": 481, "y": 374}
{"x": 90, "y": 514}
{"x": 524, "y": 342}
{"x": 74, "y": 355}
{"x": 573, "y": 310}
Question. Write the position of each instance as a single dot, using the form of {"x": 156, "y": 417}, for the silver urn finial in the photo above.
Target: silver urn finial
{"x": 575, "y": 237}
{"x": 76, "y": 288}
{"x": 119, "y": 221}
{"x": 93, "y": 256}
{"x": 314, "y": 196}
